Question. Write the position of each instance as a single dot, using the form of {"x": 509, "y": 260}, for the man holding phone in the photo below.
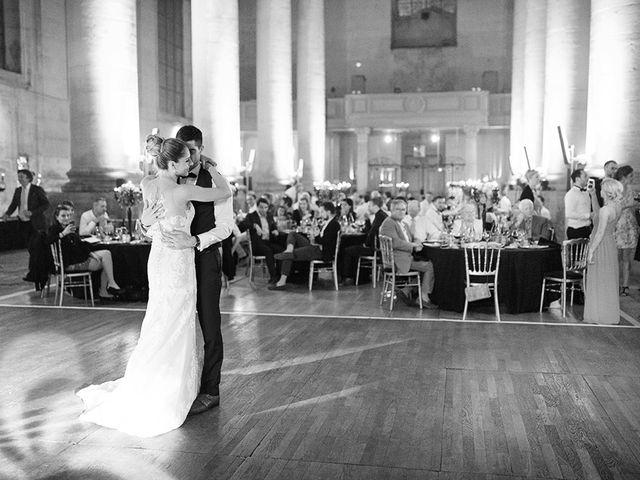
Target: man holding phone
{"x": 579, "y": 203}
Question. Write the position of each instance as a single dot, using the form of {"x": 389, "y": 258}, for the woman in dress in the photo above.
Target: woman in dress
{"x": 626, "y": 233}
{"x": 602, "y": 304}
{"x": 303, "y": 213}
{"x": 346, "y": 210}
{"x": 76, "y": 254}
{"x": 162, "y": 377}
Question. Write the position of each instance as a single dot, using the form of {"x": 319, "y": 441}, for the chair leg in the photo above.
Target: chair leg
{"x": 564, "y": 300}
{"x": 91, "y": 291}
{"x": 310, "y": 276}
{"x": 374, "y": 271}
{"x": 335, "y": 276}
{"x": 572, "y": 290}
{"x": 544, "y": 282}
{"x": 250, "y": 270}
{"x": 358, "y": 272}
{"x": 384, "y": 290}
{"x": 419, "y": 292}
{"x": 496, "y": 302}
{"x": 392, "y": 293}
{"x": 61, "y": 291}
{"x": 464, "y": 313}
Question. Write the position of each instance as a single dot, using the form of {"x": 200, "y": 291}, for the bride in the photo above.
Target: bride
{"x": 163, "y": 374}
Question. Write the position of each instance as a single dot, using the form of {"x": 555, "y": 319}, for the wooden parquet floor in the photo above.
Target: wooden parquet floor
{"x": 323, "y": 398}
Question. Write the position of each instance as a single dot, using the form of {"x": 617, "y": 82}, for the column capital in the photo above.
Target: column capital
{"x": 471, "y": 130}
{"x": 363, "y": 131}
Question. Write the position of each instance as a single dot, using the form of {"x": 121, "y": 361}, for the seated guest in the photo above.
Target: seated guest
{"x": 534, "y": 227}
{"x": 403, "y": 247}
{"x": 299, "y": 248}
{"x": 286, "y": 202}
{"x": 433, "y": 216}
{"x": 263, "y": 231}
{"x": 95, "y": 218}
{"x": 362, "y": 209}
{"x": 351, "y": 254}
{"x": 251, "y": 202}
{"x": 346, "y": 210}
{"x": 532, "y": 178}
{"x": 76, "y": 253}
{"x": 282, "y": 219}
{"x": 303, "y": 212}
{"x": 468, "y": 225}
{"x": 417, "y": 223}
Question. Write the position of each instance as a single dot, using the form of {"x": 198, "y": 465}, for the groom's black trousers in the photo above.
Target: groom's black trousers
{"x": 208, "y": 269}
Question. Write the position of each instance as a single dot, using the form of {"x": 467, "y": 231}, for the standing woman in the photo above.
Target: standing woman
{"x": 627, "y": 228}
{"x": 602, "y": 304}
{"x": 533, "y": 181}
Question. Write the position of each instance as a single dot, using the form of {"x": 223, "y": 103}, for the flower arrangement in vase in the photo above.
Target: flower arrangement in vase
{"x": 128, "y": 195}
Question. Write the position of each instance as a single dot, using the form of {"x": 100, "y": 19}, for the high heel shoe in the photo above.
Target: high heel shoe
{"x": 624, "y": 291}
{"x": 115, "y": 291}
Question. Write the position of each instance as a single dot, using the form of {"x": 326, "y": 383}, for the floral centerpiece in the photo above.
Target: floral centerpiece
{"x": 128, "y": 195}
{"x": 329, "y": 191}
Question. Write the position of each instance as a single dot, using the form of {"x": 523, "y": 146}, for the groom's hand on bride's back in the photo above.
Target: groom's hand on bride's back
{"x": 177, "y": 239}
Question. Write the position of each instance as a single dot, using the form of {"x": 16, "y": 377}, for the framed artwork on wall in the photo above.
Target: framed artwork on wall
{"x": 423, "y": 23}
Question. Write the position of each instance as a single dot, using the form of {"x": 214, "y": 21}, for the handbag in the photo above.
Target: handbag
{"x": 477, "y": 292}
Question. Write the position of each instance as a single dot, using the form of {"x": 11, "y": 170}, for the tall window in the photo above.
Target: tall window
{"x": 10, "y": 36}
{"x": 171, "y": 56}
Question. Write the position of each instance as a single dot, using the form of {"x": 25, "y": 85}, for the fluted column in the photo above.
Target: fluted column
{"x": 613, "y": 118}
{"x": 311, "y": 118}
{"x": 274, "y": 160}
{"x": 103, "y": 93}
{"x": 216, "y": 106}
{"x": 362, "y": 159}
{"x": 471, "y": 152}
{"x": 534, "y": 68}
{"x": 566, "y": 81}
{"x": 518, "y": 163}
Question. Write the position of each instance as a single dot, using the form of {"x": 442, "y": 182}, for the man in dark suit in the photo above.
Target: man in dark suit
{"x": 263, "y": 230}
{"x": 31, "y": 202}
{"x": 210, "y": 226}
{"x": 351, "y": 254}
{"x": 299, "y": 248}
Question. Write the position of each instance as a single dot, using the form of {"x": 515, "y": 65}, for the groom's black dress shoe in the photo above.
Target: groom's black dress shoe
{"x": 115, "y": 291}
{"x": 204, "y": 402}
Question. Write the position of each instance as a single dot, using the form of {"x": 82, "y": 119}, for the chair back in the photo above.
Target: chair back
{"x": 386, "y": 249}
{"x": 481, "y": 260}
{"x": 574, "y": 255}
{"x": 335, "y": 254}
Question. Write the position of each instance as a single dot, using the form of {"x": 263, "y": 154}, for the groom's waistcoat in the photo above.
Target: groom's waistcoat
{"x": 205, "y": 218}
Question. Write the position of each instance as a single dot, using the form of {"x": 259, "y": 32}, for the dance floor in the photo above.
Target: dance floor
{"x": 329, "y": 385}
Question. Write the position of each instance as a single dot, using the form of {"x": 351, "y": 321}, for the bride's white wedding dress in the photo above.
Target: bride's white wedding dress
{"x": 162, "y": 377}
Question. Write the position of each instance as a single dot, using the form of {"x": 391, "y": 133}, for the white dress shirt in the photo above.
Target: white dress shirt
{"x": 24, "y": 203}
{"x": 223, "y": 211}
{"x": 434, "y": 217}
{"x": 89, "y": 222}
{"x": 418, "y": 226}
{"x": 577, "y": 208}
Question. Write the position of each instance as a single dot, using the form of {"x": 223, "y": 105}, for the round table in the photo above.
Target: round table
{"x": 519, "y": 279}
{"x": 129, "y": 266}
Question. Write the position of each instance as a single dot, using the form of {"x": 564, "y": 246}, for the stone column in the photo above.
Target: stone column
{"x": 533, "y": 84}
{"x": 566, "y": 81}
{"x": 216, "y": 106}
{"x": 311, "y": 118}
{"x": 518, "y": 164}
{"x": 471, "y": 152}
{"x": 103, "y": 93}
{"x": 362, "y": 159}
{"x": 613, "y": 118}
{"x": 274, "y": 163}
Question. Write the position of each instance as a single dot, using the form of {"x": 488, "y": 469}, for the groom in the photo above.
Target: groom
{"x": 210, "y": 226}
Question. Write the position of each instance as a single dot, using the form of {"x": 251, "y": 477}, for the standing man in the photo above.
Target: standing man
{"x": 578, "y": 205}
{"x": 610, "y": 167}
{"x": 403, "y": 248}
{"x": 31, "y": 202}
{"x": 210, "y": 226}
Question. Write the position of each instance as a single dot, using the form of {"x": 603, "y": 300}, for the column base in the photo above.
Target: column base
{"x": 98, "y": 179}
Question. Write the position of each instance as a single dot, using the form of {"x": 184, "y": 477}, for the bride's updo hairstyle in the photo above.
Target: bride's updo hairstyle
{"x": 612, "y": 190}
{"x": 165, "y": 151}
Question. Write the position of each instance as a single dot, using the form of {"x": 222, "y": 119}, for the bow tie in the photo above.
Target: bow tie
{"x": 583, "y": 189}
{"x": 191, "y": 175}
